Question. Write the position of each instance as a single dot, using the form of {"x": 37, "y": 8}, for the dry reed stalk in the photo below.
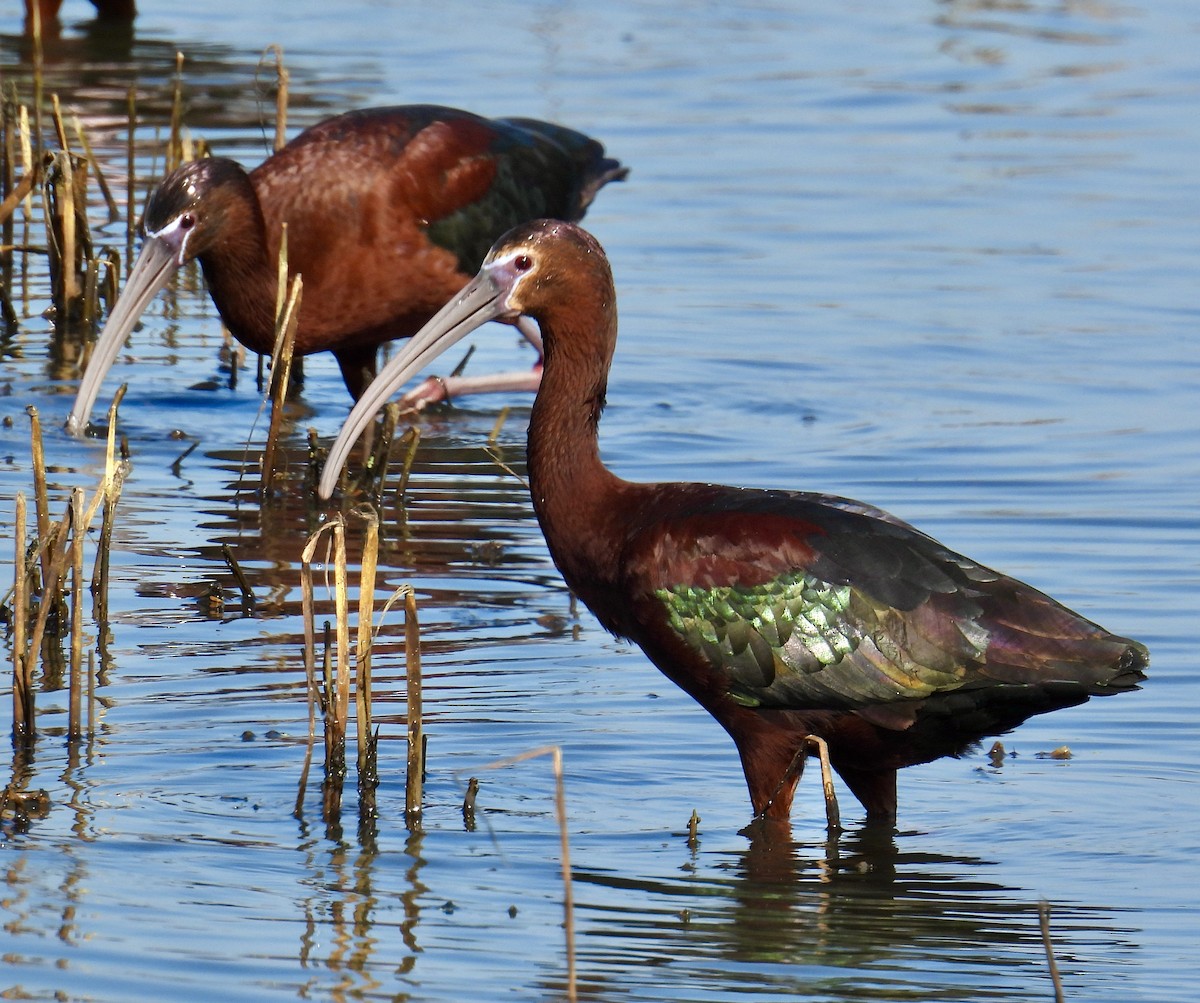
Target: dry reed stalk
{"x": 287, "y": 317}
{"x": 31, "y": 166}
{"x": 78, "y": 530}
{"x": 7, "y": 186}
{"x": 130, "y": 175}
{"x": 338, "y": 704}
{"x": 341, "y": 607}
{"x": 336, "y": 700}
{"x": 22, "y": 693}
{"x": 468, "y": 805}
{"x": 60, "y": 130}
{"x": 560, "y": 811}
{"x": 38, "y": 81}
{"x": 51, "y": 596}
{"x": 175, "y": 141}
{"x": 112, "y": 277}
{"x": 114, "y": 213}
{"x": 375, "y": 470}
{"x": 310, "y": 661}
{"x": 410, "y": 440}
{"x": 41, "y": 500}
{"x": 21, "y": 191}
{"x": 501, "y": 418}
{"x": 492, "y": 448}
{"x": 1044, "y": 917}
{"x": 833, "y": 817}
{"x": 91, "y": 694}
{"x": 362, "y": 654}
{"x": 111, "y": 493}
{"x": 238, "y": 575}
{"x": 414, "y": 712}
{"x": 335, "y": 755}
{"x": 91, "y": 292}
{"x": 69, "y": 279}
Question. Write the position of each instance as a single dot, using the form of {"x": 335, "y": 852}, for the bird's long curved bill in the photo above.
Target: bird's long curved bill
{"x": 482, "y": 299}
{"x": 154, "y": 266}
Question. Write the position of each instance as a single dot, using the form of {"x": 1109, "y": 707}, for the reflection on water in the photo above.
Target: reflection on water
{"x": 861, "y": 918}
{"x": 940, "y": 258}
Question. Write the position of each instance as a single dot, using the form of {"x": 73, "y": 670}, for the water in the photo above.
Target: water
{"x": 939, "y": 257}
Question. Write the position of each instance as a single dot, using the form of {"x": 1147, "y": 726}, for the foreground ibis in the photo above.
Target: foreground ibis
{"x": 389, "y": 212}
{"x": 788, "y": 615}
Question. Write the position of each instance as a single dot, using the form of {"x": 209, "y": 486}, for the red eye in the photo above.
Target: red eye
{"x": 187, "y": 221}
{"x": 522, "y": 262}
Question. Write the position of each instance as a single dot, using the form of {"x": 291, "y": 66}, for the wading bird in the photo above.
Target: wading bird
{"x": 389, "y": 212}
{"x": 787, "y": 615}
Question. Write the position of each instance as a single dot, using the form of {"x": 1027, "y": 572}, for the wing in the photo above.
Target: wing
{"x": 426, "y": 187}
{"x": 807, "y": 602}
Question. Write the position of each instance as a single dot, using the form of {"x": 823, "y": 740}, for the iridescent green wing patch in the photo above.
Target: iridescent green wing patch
{"x": 798, "y": 641}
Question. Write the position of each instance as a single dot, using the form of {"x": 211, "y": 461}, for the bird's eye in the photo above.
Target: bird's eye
{"x": 187, "y": 221}
{"x": 522, "y": 262}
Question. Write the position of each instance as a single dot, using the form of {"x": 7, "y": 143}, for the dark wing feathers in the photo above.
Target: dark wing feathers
{"x": 802, "y": 602}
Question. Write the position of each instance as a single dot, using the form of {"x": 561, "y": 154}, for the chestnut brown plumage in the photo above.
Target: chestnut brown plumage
{"x": 785, "y": 614}
{"x": 389, "y": 212}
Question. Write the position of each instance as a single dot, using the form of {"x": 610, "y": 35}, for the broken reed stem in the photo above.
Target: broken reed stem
{"x": 411, "y": 440}
{"x": 833, "y": 816}
{"x": 21, "y": 191}
{"x": 468, "y": 805}
{"x": 50, "y": 597}
{"x": 239, "y": 577}
{"x": 60, "y": 130}
{"x": 22, "y": 692}
{"x": 112, "y": 492}
{"x": 310, "y": 664}
{"x": 1044, "y": 917}
{"x": 287, "y": 317}
{"x": 74, "y": 707}
{"x": 378, "y": 466}
{"x": 91, "y": 291}
{"x": 501, "y": 418}
{"x": 322, "y": 692}
{"x": 341, "y": 606}
{"x": 560, "y": 811}
{"x": 362, "y": 655}
{"x": 414, "y": 784}
{"x": 41, "y": 501}
{"x": 69, "y": 290}
{"x": 175, "y": 141}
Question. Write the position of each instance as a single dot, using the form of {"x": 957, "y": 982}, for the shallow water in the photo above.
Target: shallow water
{"x": 939, "y": 257}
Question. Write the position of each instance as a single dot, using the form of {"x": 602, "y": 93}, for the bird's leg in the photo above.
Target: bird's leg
{"x": 833, "y": 817}
{"x": 876, "y": 789}
{"x": 358, "y": 368}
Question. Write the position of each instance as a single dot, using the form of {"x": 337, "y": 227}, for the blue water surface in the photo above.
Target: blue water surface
{"x": 937, "y": 256}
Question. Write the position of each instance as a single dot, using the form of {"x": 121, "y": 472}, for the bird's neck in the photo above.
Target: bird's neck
{"x": 577, "y": 500}
{"x": 243, "y": 279}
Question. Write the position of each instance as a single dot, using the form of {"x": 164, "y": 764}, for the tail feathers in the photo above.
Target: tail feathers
{"x": 602, "y": 172}
{"x": 1036, "y": 641}
{"x": 595, "y": 170}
